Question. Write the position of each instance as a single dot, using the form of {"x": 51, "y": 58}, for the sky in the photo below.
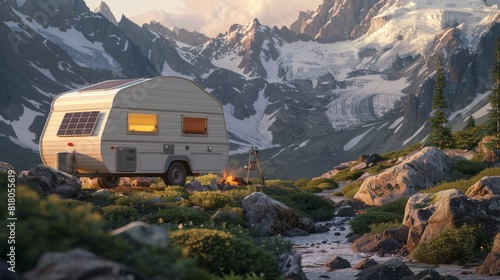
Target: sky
{"x": 211, "y": 17}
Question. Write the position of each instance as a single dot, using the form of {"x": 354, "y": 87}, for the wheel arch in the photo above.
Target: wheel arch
{"x": 185, "y": 160}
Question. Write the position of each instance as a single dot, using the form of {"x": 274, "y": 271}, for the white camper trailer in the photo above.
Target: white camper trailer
{"x": 165, "y": 126}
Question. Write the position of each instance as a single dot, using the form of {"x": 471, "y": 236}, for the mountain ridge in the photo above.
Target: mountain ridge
{"x": 282, "y": 92}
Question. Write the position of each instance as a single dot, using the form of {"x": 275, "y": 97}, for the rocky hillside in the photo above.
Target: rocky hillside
{"x": 352, "y": 77}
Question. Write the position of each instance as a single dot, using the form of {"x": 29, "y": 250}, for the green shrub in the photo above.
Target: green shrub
{"x": 347, "y": 175}
{"x": 451, "y": 244}
{"x": 118, "y": 215}
{"x": 397, "y": 207}
{"x": 171, "y": 193}
{"x": 463, "y": 184}
{"x": 313, "y": 189}
{"x": 469, "y": 167}
{"x": 137, "y": 199}
{"x": 323, "y": 183}
{"x": 361, "y": 223}
{"x": 179, "y": 215}
{"x": 230, "y": 216}
{"x": 401, "y": 153}
{"x": 351, "y": 189}
{"x": 301, "y": 183}
{"x": 379, "y": 228}
{"x": 238, "y": 194}
{"x": 336, "y": 194}
{"x": 224, "y": 253}
{"x": 49, "y": 225}
{"x": 211, "y": 200}
{"x": 478, "y": 157}
{"x": 314, "y": 206}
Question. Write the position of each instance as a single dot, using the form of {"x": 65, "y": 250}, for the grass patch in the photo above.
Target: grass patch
{"x": 351, "y": 189}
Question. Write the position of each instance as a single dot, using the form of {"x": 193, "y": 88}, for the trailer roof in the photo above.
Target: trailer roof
{"x": 112, "y": 84}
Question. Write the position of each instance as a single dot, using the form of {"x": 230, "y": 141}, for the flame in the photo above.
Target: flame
{"x": 231, "y": 180}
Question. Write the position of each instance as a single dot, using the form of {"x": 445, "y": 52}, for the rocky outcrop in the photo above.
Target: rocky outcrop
{"x": 337, "y": 263}
{"x": 426, "y": 215}
{"x": 421, "y": 171}
{"x": 291, "y": 266}
{"x": 393, "y": 269}
{"x": 491, "y": 265}
{"x": 79, "y": 264}
{"x": 143, "y": 234}
{"x": 48, "y": 181}
{"x": 272, "y": 217}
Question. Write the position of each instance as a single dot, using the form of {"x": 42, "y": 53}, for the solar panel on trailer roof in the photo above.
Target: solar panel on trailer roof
{"x": 110, "y": 84}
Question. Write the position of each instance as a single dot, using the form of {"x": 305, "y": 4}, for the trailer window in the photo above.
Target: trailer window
{"x": 194, "y": 125}
{"x": 142, "y": 123}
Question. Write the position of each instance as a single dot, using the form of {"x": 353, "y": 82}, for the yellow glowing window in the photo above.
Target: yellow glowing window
{"x": 142, "y": 123}
{"x": 193, "y": 125}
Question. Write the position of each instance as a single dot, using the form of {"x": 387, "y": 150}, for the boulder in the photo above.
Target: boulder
{"x": 291, "y": 266}
{"x": 213, "y": 185}
{"x": 426, "y": 215}
{"x": 195, "y": 186}
{"x": 140, "y": 234}
{"x": 393, "y": 269}
{"x": 489, "y": 185}
{"x": 52, "y": 181}
{"x": 371, "y": 159}
{"x": 6, "y": 167}
{"x": 399, "y": 234}
{"x": 359, "y": 166}
{"x": 366, "y": 262}
{"x": 79, "y": 264}
{"x": 345, "y": 211}
{"x": 418, "y": 172}
{"x": 102, "y": 193}
{"x": 491, "y": 265}
{"x": 272, "y": 217}
{"x": 375, "y": 243}
{"x": 337, "y": 263}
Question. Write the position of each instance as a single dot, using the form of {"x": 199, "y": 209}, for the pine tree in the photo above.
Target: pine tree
{"x": 440, "y": 136}
{"x": 494, "y": 115}
{"x": 470, "y": 123}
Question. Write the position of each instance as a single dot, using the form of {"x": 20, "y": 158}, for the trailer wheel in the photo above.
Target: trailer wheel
{"x": 108, "y": 182}
{"x": 175, "y": 175}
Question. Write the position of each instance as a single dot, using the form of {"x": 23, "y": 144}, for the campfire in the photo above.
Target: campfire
{"x": 233, "y": 181}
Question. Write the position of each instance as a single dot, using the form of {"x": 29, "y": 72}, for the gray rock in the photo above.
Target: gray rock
{"x": 6, "y": 167}
{"x": 291, "y": 266}
{"x": 491, "y": 265}
{"x": 195, "y": 186}
{"x": 272, "y": 217}
{"x": 399, "y": 234}
{"x": 102, "y": 193}
{"x": 78, "y": 264}
{"x": 489, "y": 185}
{"x": 393, "y": 269}
{"x": 337, "y": 263}
{"x": 426, "y": 215}
{"x": 374, "y": 243}
{"x": 367, "y": 262}
{"x": 345, "y": 211}
{"x": 52, "y": 181}
{"x": 142, "y": 234}
{"x": 213, "y": 185}
{"x": 421, "y": 171}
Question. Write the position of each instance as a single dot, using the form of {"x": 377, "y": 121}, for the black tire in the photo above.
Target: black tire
{"x": 175, "y": 175}
{"x": 108, "y": 182}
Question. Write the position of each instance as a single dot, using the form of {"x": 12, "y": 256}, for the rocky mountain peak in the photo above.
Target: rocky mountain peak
{"x": 177, "y": 34}
{"x": 104, "y": 10}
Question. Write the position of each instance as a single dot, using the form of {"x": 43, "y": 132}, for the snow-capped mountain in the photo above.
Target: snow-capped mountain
{"x": 106, "y": 12}
{"x": 352, "y": 77}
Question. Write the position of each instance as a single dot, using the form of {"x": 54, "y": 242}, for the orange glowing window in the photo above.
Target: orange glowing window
{"x": 194, "y": 125}
{"x": 142, "y": 123}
